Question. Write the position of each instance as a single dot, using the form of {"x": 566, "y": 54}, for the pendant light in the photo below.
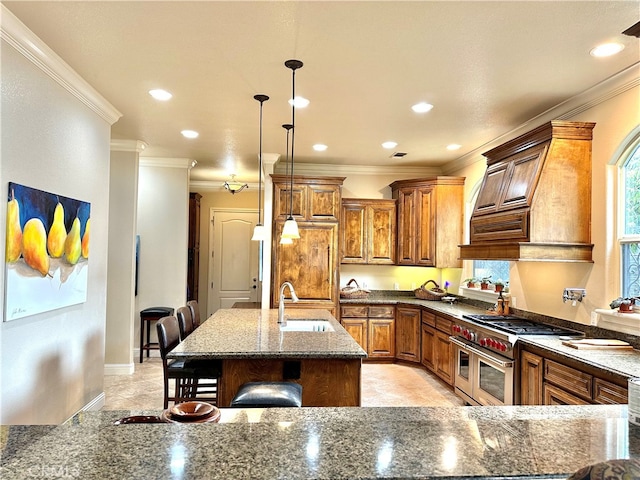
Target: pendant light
{"x": 290, "y": 229}
{"x": 259, "y": 232}
{"x": 287, "y": 127}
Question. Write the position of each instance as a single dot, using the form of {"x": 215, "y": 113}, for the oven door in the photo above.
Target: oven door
{"x": 463, "y": 375}
{"x": 488, "y": 379}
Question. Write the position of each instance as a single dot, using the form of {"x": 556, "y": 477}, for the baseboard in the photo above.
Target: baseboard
{"x": 93, "y": 406}
{"x": 119, "y": 369}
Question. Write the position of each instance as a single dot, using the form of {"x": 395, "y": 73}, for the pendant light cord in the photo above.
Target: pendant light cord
{"x": 293, "y": 135}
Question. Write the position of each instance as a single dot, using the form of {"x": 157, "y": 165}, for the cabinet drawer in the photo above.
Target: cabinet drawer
{"x": 557, "y": 396}
{"x": 386, "y": 311}
{"x": 569, "y": 379}
{"x": 609, "y": 393}
{"x": 444, "y": 325}
{"x": 429, "y": 318}
{"x": 354, "y": 311}
{"x": 500, "y": 226}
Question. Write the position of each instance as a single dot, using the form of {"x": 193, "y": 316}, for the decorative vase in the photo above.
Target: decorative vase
{"x": 484, "y": 286}
{"x": 499, "y": 288}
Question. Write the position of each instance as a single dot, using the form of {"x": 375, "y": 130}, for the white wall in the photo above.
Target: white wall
{"x": 57, "y": 141}
{"x": 163, "y": 226}
{"x": 123, "y": 203}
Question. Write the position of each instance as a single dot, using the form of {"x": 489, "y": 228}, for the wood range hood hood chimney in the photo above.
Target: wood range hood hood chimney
{"x": 535, "y": 199}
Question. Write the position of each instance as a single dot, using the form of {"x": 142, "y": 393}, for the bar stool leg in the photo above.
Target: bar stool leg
{"x": 141, "y": 337}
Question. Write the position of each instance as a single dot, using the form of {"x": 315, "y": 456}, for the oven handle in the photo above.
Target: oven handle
{"x": 480, "y": 353}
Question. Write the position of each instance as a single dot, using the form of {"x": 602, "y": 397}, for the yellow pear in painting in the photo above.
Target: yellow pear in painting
{"x": 34, "y": 246}
{"x": 57, "y": 233}
{"x": 14, "y": 232}
{"x": 85, "y": 239}
{"x": 73, "y": 245}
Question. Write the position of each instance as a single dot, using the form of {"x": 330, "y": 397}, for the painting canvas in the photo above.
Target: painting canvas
{"x": 47, "y": 251}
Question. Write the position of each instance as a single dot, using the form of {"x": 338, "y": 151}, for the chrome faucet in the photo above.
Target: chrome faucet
{"x": 294, "y": 298}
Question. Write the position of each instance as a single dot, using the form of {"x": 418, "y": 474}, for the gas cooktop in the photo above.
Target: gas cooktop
{"x": 520, "y": 326}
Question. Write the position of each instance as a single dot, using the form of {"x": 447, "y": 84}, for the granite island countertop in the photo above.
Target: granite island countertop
{"x": 327, "y": 443}
{"x": 249, "y": 333}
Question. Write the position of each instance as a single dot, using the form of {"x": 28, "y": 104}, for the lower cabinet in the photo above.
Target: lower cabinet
{"x": 436, "y": 351}
{"x": 408, "y": 334}
{"x": 372, "y": 326}
{"x": 547, "y": 381}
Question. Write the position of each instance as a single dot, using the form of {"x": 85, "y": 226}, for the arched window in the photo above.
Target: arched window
{"x": 629, "y": 201}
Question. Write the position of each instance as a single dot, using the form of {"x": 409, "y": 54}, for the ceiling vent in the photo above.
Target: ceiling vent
{"x": 398, "y": 154}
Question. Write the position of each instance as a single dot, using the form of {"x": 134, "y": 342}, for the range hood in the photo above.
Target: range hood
{"x": 535, "y": 199}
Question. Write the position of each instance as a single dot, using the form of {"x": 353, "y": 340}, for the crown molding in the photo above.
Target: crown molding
{"x": 24, "y": 41}
{"x": 345, "y": 170}
{"x": 167, "y": 162}
{"x": 609, "y": 88}
{"x": 137, "y": 146}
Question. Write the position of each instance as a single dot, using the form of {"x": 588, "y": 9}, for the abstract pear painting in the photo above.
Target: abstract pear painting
{"x": 47, "y": 251}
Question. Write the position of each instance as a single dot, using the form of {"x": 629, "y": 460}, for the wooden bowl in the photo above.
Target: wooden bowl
{"x": 189, "y": 411}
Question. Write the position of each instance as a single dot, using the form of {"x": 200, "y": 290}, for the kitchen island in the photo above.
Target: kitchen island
{"x": 327, "y": 443}
{"x": 311, "y": 348}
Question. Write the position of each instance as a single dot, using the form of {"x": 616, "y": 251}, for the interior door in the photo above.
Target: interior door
{"x": 233, "y": 259}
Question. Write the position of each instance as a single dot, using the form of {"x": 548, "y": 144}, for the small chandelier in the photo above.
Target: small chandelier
{"x": 290, "y": 228}
{"x": 233, "y": 186}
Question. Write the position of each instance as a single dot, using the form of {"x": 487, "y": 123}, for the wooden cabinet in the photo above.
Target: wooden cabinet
{"x": 373, "y": 327}
{"x": 527, "y": 182}
{"x": 368, "y": 230}
{"x": 408, "y": 333}
{"x": 437, "y": 353}
{"x": 562, "y": 381}
{"x": 430, "y": 214}
{"x": 193, "y": 247}
{"x": 531, "y": 376}
{"x": 314, "y": 198}
{"x": 310, "y": 263}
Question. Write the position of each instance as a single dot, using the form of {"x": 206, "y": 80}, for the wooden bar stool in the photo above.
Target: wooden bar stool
{"x": 147, "y": 316}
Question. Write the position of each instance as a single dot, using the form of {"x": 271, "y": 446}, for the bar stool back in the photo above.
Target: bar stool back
{"x": 195, "y": 312}
{"x": 185, "y": 321}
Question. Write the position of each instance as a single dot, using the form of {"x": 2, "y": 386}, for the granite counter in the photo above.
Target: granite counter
{"x": 327, "y": 443}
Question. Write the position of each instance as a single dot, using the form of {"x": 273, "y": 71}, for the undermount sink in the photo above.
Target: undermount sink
{"x": 311, "y": 325}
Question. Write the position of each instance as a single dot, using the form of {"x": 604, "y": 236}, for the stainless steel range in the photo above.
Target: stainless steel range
{"x": 485, "y": 355}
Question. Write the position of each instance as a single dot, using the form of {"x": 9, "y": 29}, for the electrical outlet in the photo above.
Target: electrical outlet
{"x": 396, "y": 286}
{"x": 594, "y": 318}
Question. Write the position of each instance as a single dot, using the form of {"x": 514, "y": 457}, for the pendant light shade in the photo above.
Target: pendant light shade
{"x": 259, "y": 232}
{"x": 290, "y": 229}
{"x": 286, "y": 241}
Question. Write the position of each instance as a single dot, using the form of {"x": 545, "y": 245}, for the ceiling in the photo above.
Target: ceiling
{"x": 487, "y": 67}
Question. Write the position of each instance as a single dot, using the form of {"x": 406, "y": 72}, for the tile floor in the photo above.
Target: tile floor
{"x": 383, "y": 385}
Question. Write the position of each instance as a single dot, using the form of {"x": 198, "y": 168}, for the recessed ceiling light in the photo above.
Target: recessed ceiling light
{"x": 453, "y": 146}
{"x": 319, "y": 147}
{"x": 422, "y": 107}
{"x": 606, "y": 49}
{"x": 160, "y": 94}
{"x": 189, "y": 133}
{"x": 389, "y": 145}
{"x": 300, "y": 102}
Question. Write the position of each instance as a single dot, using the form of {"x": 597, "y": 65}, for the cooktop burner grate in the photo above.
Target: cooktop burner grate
{"x": 520, "y": 326}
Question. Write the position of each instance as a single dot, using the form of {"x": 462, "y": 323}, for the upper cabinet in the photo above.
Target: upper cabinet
{"x": 311, "y": 262}
{"x": 535, "y": 199}
{"x": 368, "y": 231}
{"x": 430, "y": 215}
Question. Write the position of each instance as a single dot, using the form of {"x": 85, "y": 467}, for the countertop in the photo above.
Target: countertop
{"x": 327, "y": 443}
{"x": 625, "y": 363}
{"x": 248, "y": 333}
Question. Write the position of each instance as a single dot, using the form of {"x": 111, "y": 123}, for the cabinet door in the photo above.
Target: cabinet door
{"x": 425, "y": 244}
{"x": 323, "y": 203}
{"x": 556, "y": 396}
{"x": 309, "y": 263}
{"x": 428, "y": 347}
{"x": 381, "y": 338}
{"x": 408, "y": 334}
{"x": 381, "y": 234}
{"x": 444, "y": 357}
{"x": 530, "y": 379}
{"x": 357, "y": 328}
{"x": 282, "y": 203}
{"x": 406, "y": 226}
{"x": 354, "y": 234}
